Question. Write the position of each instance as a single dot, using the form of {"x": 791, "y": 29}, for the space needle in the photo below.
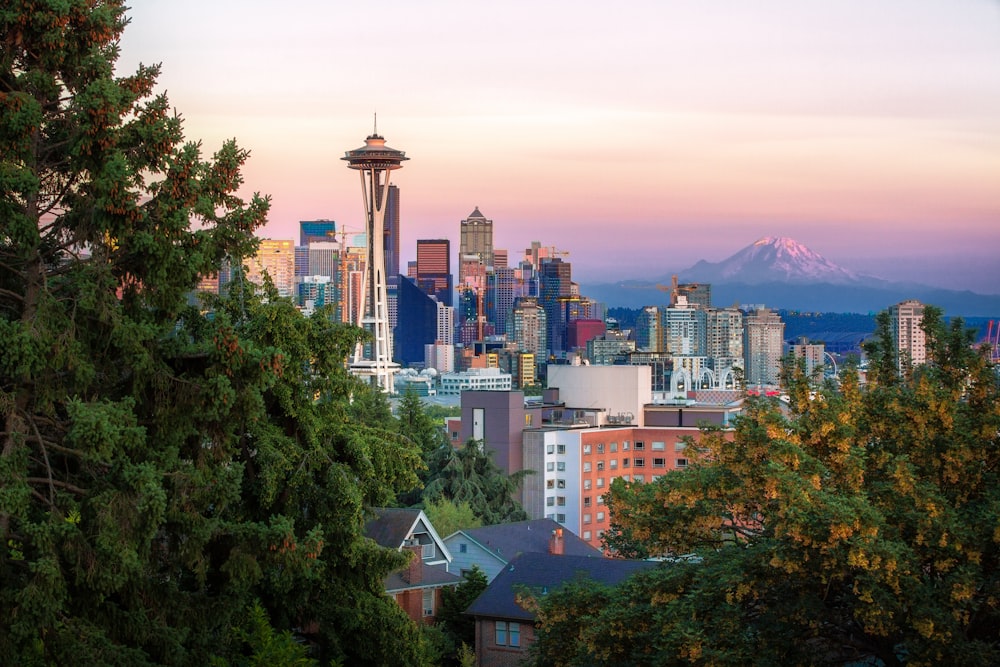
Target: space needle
{"x": 374, "y": 161}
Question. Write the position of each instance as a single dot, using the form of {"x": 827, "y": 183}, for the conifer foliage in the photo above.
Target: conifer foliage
{"x": 165, "y": 475}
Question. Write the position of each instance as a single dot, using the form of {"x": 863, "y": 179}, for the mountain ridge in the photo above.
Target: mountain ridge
{"x": 782, "y": 273}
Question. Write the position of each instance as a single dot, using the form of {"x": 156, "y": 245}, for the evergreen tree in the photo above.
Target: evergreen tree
{"x": 162, "y": 470}
{"x": 469, "y": 475}
{"x": 860, "y": 526}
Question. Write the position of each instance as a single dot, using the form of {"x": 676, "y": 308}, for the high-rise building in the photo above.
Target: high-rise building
{"x": 316, "y": 230}
{"x": 418, "y": 323}
{"x": 375, "y": 160}
{"x": 813, "y": 354}
{"x": 476, "y": 239}
{"x": 763, "y": 347}
{"x": 433, "y": 273}
{"x": 905, "y": 321}
{"x": 649, "y": 330}
{"x": 555, "y": 283}
{"x": 527, "y": 327}
{"x": 277, "y": 259}
{"x": 390, "y": 233}
{"x": 684, "y": 330}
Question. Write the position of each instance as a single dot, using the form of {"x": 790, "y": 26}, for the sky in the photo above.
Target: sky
{"x": 639, "y": 136}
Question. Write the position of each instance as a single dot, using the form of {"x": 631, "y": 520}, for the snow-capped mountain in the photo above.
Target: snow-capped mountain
{"x": 772, "y": 260}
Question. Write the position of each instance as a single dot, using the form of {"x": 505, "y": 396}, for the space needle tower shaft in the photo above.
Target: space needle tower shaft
{"x": 374, "y": 161}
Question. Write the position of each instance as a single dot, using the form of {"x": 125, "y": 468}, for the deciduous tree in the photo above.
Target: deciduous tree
{"x": 859, "y": 525}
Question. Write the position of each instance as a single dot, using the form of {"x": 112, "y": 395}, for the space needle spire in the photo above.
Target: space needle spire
{"x": 374, "y": 161}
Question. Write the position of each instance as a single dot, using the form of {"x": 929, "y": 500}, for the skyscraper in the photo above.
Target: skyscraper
{"x": 316, "y": 230}
{"x": 905, "y": 320}
{"x": 390, "y": 233}
{"x": 374, "y": 161}
{"x": 434, "y": 269}
{"x": 555, "y": 283}
{"x": 763, "y": 347}
{"x": 527, "y": 327}
{"x": 476, "y": 239}
{"x": 277, "y": 259}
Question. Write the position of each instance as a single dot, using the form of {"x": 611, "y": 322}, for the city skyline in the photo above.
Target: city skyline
{"x": 868, "y": 132}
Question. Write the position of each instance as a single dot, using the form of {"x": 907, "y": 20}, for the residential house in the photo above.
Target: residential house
{"x": 505, "y": 629}
{"x": 417, "y": 587}
{"x": 492, "y": 547}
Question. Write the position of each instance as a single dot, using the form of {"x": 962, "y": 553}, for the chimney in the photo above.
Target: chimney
{"x": 415, "y": 570}
{"x": 556, "y": 542}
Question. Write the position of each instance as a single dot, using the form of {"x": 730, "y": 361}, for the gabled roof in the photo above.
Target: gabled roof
{"x": 544, "y": 571}
{"x": 506, "y": 540}
{"x": 393, "y": 525}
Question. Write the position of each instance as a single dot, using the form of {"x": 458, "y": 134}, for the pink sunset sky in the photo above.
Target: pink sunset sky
{"x": 638, "y": 136}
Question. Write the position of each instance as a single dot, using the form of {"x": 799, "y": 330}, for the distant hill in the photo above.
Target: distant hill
{"x": 781, "y": 273}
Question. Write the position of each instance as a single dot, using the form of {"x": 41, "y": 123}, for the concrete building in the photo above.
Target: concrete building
{"x": 905, "y": 320}
{"x": 433, "y": 274}
{"x": 813, "y": 354}
{"x": 763, "y": 347}
{"x": 527, "y": 327}
{"x": 475, "y": 379}
{"x": 497, "y": 419}
{"x": 620, "y": 391}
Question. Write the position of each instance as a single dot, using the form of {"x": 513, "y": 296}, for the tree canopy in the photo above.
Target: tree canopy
{"x": 859, "y": 524}
{"x": 166, "y": 470}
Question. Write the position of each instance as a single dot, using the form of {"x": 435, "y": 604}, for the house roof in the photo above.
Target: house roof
{"x": 431, "y": 576}
{"x": 506, "y": 540}
{"x": 391, "y": 526}
{"x": 541, "y": 571}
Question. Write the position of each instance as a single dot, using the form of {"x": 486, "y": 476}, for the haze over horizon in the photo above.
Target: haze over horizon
{"x": 641, "y": 139}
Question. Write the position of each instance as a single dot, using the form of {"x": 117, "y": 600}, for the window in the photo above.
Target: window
{"x": 463, "y": 548}
{"x": 586, "y": 501}
{"x": 586, "y": 466}
{"x": 527, "y": 419}
{"x": 501, "y": 633}
{"x": 550, "y": 449}
{"x": 561, "y": 466}
{"x": 638, "y": 463}
{"x": 600, "y": 516}
{"x": 586, "y": 485}
{"x": 625, "y": 446}
{"x": 561, "y": 518}
{"x": 600, "y": 465}
{"x": 600, "y": 500}
{"x": 586, "y": 518}
{"x": 586, "y": 449}
{"x": 624, "y": 463}
{"x": 613, "y": 447}
{"x": 682, "y": 463}
{"x": 639, "y": 444}
{"x": 560, "y": 449}
{"x": 680, "y": 446}
{"x": 613, "y": 464}
{"x": 600, "y": 448}
{"x": 600, "y": 482}
{"x": 560, "y": 484}
{"x": 550, "y": 501}
{"x": 514, "y": 634}
{"x": 428, "y": 602}
{"x": 550, "y": 484}
{"x": 561, "y": 501}
{"x": 659, "y": 446}
{"x": 550, "y": 466}
{"x": 639, "y": 478}
{"x": 586, "y": 535}
{"x": 659, "y": 463}
{"x": 427, "y": 551}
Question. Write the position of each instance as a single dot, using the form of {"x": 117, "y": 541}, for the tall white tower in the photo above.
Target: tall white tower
{"x": 374, "y": 161}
